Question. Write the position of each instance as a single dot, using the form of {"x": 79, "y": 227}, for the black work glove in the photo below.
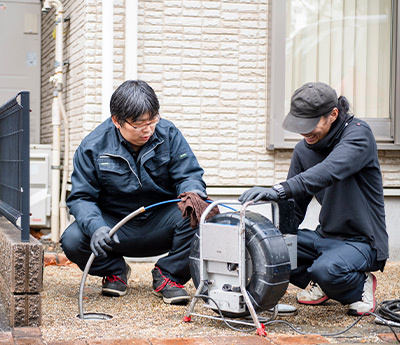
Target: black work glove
{"x": 199, "y": 193}
{"x": 259, "y": 193}
{"x": 100, "y": 241}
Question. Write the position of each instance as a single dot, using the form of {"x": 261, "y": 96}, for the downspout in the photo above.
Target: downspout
{"x": 57, "y": 80}
{"x": 131, "y": 37}
{"x": 107, "y": 57}
{"x": 63, "y": 204}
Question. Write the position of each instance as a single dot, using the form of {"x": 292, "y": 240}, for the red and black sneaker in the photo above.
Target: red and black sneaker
{"x": 116, "y": 286}
{"x": 170, "y": 291}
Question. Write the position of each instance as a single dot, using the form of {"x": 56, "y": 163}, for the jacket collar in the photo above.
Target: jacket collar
{"x": 327, "y": 144}
{"x": 121, "y": 145}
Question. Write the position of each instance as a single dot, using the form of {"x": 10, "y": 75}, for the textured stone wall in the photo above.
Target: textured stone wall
{"x": 21, "y": 276}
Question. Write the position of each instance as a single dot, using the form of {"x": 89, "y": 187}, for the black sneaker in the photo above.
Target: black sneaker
{"x": 170, "y": 291}
{"x": 116, "y": 286}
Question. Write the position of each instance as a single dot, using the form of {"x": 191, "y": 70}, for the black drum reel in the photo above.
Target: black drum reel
{"x": 232, "y": 240}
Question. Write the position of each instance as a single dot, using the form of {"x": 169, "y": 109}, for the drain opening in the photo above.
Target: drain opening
{"x": 95, "y": 316}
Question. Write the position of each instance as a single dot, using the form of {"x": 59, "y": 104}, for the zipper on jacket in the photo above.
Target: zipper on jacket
{"x": 152, "y": 149}
{"x": 130, "y": 167}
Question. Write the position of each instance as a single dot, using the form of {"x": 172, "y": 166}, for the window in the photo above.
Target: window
{"x": 351, "y": 45}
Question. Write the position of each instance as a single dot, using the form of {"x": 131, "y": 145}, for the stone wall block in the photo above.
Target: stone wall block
{"x": 22, "y": 262}
{"x": 21, "y": 276}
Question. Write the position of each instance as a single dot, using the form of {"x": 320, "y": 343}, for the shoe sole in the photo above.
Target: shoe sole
{"x": 117, "y": 293}
{"x": 316, "y": 302}
{"x": 353, "y": 312}
{"x": 181, "y": 300}
{"x": 113, "y": 293}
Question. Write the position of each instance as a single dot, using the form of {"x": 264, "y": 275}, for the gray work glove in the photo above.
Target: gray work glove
{"x": 199, "y": 193}
{"x": 259, "y": 193}
{"x": 101, "y": 240}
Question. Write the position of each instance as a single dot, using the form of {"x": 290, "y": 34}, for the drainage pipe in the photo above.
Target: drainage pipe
{"x": 63, "y": 204}
{"x": 57, "y": 80}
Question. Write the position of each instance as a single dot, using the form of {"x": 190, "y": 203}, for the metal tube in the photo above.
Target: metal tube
{"x": 92, "y": 256}
{"x": 242, "y": 265}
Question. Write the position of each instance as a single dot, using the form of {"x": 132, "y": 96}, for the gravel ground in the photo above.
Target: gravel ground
{"x": 140, "y": 314}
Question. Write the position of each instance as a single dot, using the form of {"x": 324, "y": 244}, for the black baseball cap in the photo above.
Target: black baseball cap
{"x": 309, "y": 102}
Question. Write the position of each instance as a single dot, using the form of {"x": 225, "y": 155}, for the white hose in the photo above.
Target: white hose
{"x": 63, "y": 205}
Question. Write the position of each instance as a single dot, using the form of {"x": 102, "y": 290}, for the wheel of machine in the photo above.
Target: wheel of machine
{"x": 267, "y": 261}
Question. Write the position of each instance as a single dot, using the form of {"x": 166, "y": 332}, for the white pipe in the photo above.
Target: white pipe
{"x": 131, "y": 37}
{"x": 55, "y": 171}
{"x": 107, "y": 56}
{"x": 57, "y": 79}
{"x": 63, "y": 205}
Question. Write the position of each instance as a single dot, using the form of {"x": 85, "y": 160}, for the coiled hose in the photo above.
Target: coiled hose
{"x": 111, "y": 233}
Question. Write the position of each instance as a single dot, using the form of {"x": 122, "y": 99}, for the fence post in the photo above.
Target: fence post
{"x": 25, "y": 219}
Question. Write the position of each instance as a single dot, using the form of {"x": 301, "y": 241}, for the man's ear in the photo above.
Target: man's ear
{"x": 114, "y": 120}
{"x": 333, "y": 115}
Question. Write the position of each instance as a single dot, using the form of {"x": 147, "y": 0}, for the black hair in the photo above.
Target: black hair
{"x": 132, "y": 99}
{"x": 343, "y": 106}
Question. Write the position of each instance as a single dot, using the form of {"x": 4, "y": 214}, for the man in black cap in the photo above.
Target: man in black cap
{"x": 337, "y": 163}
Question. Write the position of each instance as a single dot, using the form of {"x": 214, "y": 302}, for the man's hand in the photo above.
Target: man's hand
{"x": 259, "y": 193}
{"x": 199, "y": 193}
{"x": 101, "y": 240}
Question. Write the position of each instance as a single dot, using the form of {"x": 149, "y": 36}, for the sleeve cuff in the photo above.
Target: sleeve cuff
{"x": 287, "y": 189}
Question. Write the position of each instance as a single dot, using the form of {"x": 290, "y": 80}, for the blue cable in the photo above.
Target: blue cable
{"x": 231, "y": 208}
{"x": 161, "y": 203}
{"x": 177, "y": 200}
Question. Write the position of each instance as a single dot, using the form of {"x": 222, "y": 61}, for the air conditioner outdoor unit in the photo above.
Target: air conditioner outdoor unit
{"x": 40, "y": 182}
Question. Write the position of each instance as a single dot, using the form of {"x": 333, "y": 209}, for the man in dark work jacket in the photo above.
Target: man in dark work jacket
{"x": 133, "y": 159}
{"x": 337, "y": 163}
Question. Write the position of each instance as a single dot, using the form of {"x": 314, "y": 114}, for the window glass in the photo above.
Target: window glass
{"x": 346, "y": 44}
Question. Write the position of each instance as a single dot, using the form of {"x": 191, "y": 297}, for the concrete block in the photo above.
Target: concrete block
{"x": 21, "y": 276}
{"x": 21, "y": 262}
{"x": 21, "y": 309}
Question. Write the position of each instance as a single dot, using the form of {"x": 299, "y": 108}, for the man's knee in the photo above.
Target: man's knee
{"x": 72, "y": 239}
{"x": 332, "y": 275}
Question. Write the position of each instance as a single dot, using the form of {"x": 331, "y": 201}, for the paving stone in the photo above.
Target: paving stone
{"x": 6, "y": 338}
{"x": 21, "y": 332}
{"x": 119, "y": 342}
{"x": 181, "y": 341}
{"x": 29, "y": 341}
{"x": 241, "y": 340}
{"x": 389, "y": 337}
{"x": 75, "y": 342}
{"x": 298, "y": 339}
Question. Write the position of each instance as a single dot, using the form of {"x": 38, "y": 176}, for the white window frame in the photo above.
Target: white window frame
{"x": 386, "y": 131}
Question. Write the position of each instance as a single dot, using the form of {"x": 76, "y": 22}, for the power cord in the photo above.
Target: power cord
{"x": 226, "y": 322}
{"x": 388, "y": 306}
{"x": 337, "y": 333}
{"x": 390, "y": 310}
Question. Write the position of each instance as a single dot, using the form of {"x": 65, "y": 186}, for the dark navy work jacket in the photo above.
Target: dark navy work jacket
{"x": 107, "y": 178}
{"x": 342, "y": 171}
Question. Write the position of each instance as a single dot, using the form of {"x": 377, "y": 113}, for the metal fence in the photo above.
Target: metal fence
{"x": 14, "y": 162}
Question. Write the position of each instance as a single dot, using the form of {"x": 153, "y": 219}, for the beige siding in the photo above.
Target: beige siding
{"x": 206, "y": 60}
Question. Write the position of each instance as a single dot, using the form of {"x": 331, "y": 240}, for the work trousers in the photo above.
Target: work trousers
{"x": 338, "y": 266}
{"x": 157, "y": 231}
